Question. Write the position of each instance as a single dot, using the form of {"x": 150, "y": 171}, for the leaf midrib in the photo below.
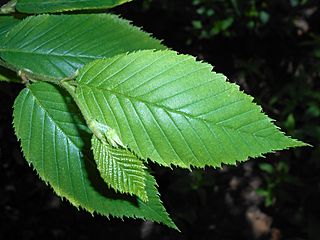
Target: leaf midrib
{"x": 167, "y": 109}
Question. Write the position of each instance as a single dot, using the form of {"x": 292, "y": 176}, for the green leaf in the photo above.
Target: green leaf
{"x": 57, "y": 45}
{"x": 53, "y": 137}
{"x": 120, "y": 168}
{"x": 41, "y": 6}
{"x": 174, "y": 110}
{"x": 6, "y": 23}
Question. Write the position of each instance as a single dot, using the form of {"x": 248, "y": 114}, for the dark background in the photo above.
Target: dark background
{"x": 272, "y": 50}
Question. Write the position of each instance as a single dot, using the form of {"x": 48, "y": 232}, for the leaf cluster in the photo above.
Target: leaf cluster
{"x": 95, "y": 76}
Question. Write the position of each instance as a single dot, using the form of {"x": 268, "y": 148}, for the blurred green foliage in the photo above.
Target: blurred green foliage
{"x": 214, "y": 17}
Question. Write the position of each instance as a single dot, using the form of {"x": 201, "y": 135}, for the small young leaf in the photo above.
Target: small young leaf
{"x": 57, "y": 45}
{"x": 174, "y": 110}
{"x": 53, "y": 136}
{"x": 40, "y": 6}
{"x": 105, "y": 134}
{"x": 120, "y": 168}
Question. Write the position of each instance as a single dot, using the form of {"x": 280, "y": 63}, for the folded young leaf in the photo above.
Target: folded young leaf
{"x": 120, "y": 168}
{"x": 40, "y": 6}
{"x": 55, "y": 46}
{"x": 175, "y": 110}
{"x": 53, "y": 137}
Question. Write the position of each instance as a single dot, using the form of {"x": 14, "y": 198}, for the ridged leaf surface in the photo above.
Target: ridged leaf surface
{"x": 175, "y": 110}
{"x": 120, "y": 168}
{"x": 6, "y": 23}
{"x": 57, "y": 45}
{"x": 53, "y": 138}
{"x": 44, "y": 6}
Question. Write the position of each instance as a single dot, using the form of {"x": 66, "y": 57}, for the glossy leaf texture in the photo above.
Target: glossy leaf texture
{"x": 174, "y": 110}
{"x": 56, "y": 46}
{"x": 46, "y": 6}
{"x": 54, "y": 137}
{"x": 120, "y": 168}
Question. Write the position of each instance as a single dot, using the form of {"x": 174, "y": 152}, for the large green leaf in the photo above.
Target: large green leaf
{"x": 6, "y": 23}
{"x": 52, "y": 135}
{"x": 44, "y": 6}
{"x": 57, "y": 45}
{"x": 174, "y": 110}
{"x": 120, "y": 168}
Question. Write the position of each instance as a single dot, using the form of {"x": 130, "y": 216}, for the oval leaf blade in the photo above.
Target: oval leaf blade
{"x": 57, "y": 45}
{"x": 175, "y": 110}
{"x": 120, "y": 169}
{"x": 52, "y": 134}
{"x": 40, "y": 6}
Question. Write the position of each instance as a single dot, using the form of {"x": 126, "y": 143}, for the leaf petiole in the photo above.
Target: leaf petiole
{"x": 71, "y": 85}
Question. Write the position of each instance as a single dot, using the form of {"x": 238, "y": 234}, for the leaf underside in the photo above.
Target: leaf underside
{"x": 57, "y": 45}
{"x": 40, "y": 6}
{"x": 120, "y": 168}
{"x": 174, "y": 110}
{"x": 52, "y": 135}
